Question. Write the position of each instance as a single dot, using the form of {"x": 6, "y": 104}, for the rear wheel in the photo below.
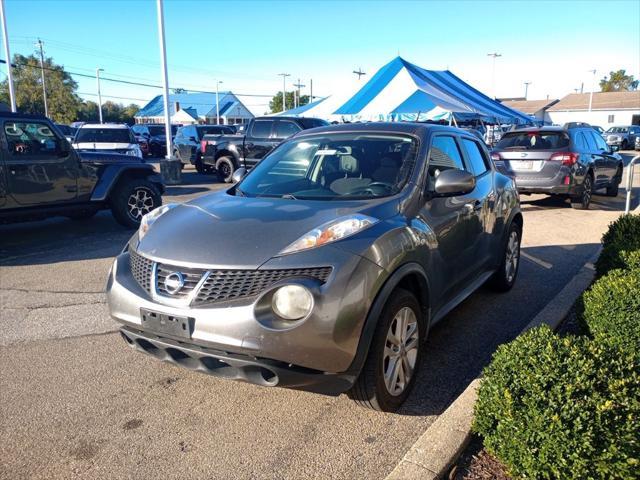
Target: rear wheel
{"x": 612, "y": 190}
{"x": 225, "y": 169}
{"x": 132, "y": 200}
{"x": 505, "y": 277}
{"x": 582, "y": 201}
{"x": 392, "y": 364}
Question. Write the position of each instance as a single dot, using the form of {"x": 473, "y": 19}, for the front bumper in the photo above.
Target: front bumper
{"x": 326, "y": 341}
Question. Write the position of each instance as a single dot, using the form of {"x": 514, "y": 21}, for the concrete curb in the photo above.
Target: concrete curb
{"x": 437, "y": 449}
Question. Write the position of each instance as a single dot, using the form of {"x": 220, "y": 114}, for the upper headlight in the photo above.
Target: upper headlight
{"x": 332, "y": 231}
{"x": 150, "y": 218}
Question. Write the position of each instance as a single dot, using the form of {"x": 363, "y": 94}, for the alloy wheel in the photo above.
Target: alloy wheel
{"x": 140, "y": 203}
{"x": 586, "y": 193}
{"x": 400, "y": 351}
{"x": 512, "y": 256}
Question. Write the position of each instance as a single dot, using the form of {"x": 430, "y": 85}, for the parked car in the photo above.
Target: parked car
{"x": 156, "y": 137}
{"x": 186, "y": 145}
{"x": 570, "y": 162}
{"x": 143, "y": 143}
{"x": 67, "y": 131}
{"x": 107, "y": 137}
{"x": 42, "y": 176}
{"x": 622, "y": 137}
{"x": 228, "y": 153}
{"x": 326, "y": 279}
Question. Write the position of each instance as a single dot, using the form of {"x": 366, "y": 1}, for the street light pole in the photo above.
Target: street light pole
{"x": 284, "y": 89}
{"x": 526, "y": 89}
{"x": 165, "y": 79}
{"x": 298, "y": 87}
{"x": 493, "y": 73}
{"x": 593, "y": 85}
{"x": 7, "y": 54}
{"x": 98, "y": 70}
{"x": 218, "y": 82}
{"x": 44, "y": 85}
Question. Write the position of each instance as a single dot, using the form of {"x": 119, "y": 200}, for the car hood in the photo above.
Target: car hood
{"x": 106, "y": 157}
{"x": 228, "y": 232}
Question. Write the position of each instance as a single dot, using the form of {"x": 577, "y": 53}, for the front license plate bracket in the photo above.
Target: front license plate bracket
{"x": 167, "y": 324}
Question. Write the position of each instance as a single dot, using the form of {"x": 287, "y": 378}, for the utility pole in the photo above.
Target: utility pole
{"x": 493, "y": 72}
{"x": 311, "y": 91}
{"x": 44, "y": 86}
{"x": 298, "y": 87}
{"x": 526, "y": 89}
{"x": 593, "y": 85}
{"x": 98, "y": 70}
{"x": 284, "y": 89}
{"x": 218, "y": 82}
{"x": 165, "y": 79}
{"x": 7, "y": 54}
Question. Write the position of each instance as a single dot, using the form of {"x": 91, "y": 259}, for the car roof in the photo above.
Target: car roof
{"x": 105, "y": 125}
{"x": 410, "y": 128}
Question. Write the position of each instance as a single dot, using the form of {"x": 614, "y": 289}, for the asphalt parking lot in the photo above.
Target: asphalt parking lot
{"x": 75, "y": 402}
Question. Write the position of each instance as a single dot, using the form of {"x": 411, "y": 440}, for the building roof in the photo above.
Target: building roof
{"x": 601, "y": 101}
{"x": 196, "y": 104}
{"x": 530, "y": 106}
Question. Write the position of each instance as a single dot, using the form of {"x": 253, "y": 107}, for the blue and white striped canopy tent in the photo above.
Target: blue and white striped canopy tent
{"x": 403, "y": 91}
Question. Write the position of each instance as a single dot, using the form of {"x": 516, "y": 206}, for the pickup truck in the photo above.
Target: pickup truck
{"x": 227, "y": 153}
{"x": 42, "y": 176}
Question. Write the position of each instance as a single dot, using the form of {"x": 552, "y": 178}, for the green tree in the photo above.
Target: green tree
{"x": 62, "y": 101}
{"x": 618, "y": 81}
{"x": 275, "y": 105}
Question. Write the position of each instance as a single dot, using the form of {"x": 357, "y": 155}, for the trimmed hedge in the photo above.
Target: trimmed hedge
{"x": 612, "y": 307}
{"x": 623, "y": 235}
{"x": 554, "y": 407}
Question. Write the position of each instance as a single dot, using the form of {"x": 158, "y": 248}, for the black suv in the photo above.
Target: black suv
{"x": 186, "y": 144}
{"x": 155, "y": 136}
{"x": 571, "y": 162}
{"x": 42, "y": 176}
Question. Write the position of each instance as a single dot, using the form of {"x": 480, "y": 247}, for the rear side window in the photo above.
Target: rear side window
{"x": 30, "y": 139}
{"x": 445, "y": 154}
{"x": 538, "y": 140}
{"x": 591, "y": 142}
{"x": 600, "y": 143}
{"x": 476, "y": 156}
{"x": 286, "y": 129}
{"x": 261, "y": 129}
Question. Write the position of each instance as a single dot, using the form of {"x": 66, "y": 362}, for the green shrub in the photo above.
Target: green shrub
{"x": 612, "y": 307}
{"x": 631, "y": 259}
{"x": 562, "y": 407}
{"x": 622, "y": 235}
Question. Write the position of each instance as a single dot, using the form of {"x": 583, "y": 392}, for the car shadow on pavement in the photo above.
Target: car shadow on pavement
{"x": 598, "y": 202}
{"x": 462, "y": 343}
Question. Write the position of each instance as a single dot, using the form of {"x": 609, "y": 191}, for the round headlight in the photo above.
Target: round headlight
{"x": 292, "y": 302}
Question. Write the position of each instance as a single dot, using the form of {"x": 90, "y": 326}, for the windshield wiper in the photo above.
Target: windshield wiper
{"x": 289, "y": 196}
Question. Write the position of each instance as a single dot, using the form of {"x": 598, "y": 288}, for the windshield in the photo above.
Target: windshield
{"x": 104, "y": 135}
{"x": 618, "y": 130}
{"x": 538, "y": 140}
{"x": 334, "y": 166}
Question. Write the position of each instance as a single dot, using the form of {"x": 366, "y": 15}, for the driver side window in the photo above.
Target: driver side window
{"x": 444, "y": 154}
{"x": 30, "y": 139}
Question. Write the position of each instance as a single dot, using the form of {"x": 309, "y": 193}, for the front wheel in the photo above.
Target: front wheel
{"x": 134, "y": 199}
{"x": 225, "y": 168}
{"x": 390, "y": 370}
{"x": 505, "y": 277}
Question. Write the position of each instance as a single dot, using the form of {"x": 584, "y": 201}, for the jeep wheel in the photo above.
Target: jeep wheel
{"x": 390, "y": 370}
{"x": 225, "y": 169}
{"x": 504, "y": 278}
{"x": 612, "y": 190}
{"x": 134, "y": 199}
{"x": 582, "y": 201}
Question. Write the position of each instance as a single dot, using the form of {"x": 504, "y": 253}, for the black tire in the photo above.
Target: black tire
{"x": 582, "y": 201}
{"x": 505, "y": 277}
{"x": 370, "y": 389}
{"x": 225, "y": 168}
{"x": 613, "y": 189}
{"x": 139, "y": 190}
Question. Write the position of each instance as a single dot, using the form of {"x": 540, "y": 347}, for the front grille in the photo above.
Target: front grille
{"x": 191, "y": 278}
{"x": 220, "y": 285}
{"x": 223, "y": 285}
{"x": 141, "y": 269}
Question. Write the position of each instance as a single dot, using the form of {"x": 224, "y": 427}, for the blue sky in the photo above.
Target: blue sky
{"x": 246, "y": 44}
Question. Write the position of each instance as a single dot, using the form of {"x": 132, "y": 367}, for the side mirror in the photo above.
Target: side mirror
{"x": 238, "y": 175}
{"x": 454, "y": 182}
{"x": 613, "y": 148}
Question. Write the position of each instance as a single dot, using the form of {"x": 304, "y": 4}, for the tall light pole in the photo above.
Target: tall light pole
{"x": 284, "y": 89}
{"x": 165, "y": 79}
{"x": 526, "y": 89}
{"x": 98, "y": 70}
{"x": 44, "y": 85}
{"x": 298, "y": 87}
{"x": 218, "y": 82}
{"x": 311, "y": 91}
{"x": 493, "y": 72}
{"x": 593, "y": 85}
{"x": 7, "y": 54}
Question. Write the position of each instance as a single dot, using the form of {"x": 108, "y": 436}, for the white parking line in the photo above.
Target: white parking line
{"x": 537, "y": 261}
